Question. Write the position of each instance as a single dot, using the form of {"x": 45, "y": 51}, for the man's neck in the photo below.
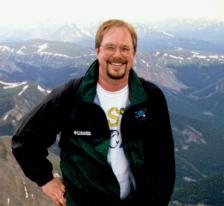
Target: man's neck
{"x": 113, "y": 85}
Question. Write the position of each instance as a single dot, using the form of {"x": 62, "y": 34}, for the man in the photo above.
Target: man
{"x": 115, "y": 135}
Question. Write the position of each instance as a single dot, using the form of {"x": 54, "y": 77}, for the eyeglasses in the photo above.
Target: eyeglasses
{"x": 111, "y": 48}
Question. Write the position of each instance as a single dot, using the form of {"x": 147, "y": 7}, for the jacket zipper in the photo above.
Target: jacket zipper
{"x": 108, "y": 135}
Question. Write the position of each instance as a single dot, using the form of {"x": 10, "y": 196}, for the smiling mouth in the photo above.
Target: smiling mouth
{"x": 116, "y": 64}
{"x": 117, "y": 61}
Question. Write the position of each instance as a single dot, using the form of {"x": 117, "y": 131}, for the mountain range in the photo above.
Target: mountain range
{"x": 161, "y": 34}
{"x": 17, "y": 99}
{"x": 188, "y": 67}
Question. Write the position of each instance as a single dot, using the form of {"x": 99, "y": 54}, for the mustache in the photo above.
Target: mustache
{"x": 117, "y": 60}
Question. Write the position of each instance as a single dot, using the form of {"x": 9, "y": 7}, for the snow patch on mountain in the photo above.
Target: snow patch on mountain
{"x": 5, "y": 48}
{"x": 157, "y": 54}
{"x": 199, "y": 56}
{"x": 54, "y": 54}
{"x": 144, "y": 62}
{"x": 176, "y": 57}
{"x": 43, "y": 90}
{"x": 5, "y": 117}
{"x": 15, "y": 114}
{"x": 9, "y": 85}
{"x": 42, "y": 47}
{"x": 189, "y": 179}
{"x": 21, "y": 51}
{"x": 168, "y": 34}
{"x": 192, "y": 135}
{"x": 214, "y": 56}
{"x": 208, "y": 113}
{"x": 23, "y": 90}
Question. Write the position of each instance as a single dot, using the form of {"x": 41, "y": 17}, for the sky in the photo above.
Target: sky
{"x": 28, "y": 12}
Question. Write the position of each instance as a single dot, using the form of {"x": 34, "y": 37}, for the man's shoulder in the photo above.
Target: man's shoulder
{"x": 150, "y": 86}
{"x": 72, "y": 84}
{"x": 152, "y": 90}
{"x": 64, "y": 91}
{"x": 68, "y": 86}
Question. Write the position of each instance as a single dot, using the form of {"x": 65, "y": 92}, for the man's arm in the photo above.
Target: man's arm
{"x": 37, "y": 132}
{"x": 165, "y": 173}
{"x": 161, "y": 154}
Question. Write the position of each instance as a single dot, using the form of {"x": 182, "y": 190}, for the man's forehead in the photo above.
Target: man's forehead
{"x": 118, "y": 32}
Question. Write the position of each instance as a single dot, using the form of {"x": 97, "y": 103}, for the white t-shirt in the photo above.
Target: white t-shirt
{"x": 113, "y": 104}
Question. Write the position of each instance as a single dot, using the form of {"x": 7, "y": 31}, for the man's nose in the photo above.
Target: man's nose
{"x": 118, "y": 52}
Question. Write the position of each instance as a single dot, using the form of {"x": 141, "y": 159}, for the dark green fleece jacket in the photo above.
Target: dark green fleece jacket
{"x": 84, "y": 141}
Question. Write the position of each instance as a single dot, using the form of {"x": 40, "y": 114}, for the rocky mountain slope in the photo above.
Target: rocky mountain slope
{"x": 17, "y": 190}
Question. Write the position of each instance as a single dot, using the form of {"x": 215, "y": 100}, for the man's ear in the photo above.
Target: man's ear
{"x": 97, "y": 50}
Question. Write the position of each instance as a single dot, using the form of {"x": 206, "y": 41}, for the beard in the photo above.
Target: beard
{"x": 117, "y": 68}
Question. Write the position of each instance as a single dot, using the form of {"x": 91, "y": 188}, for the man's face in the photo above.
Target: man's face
{"x": 115, "y": 54}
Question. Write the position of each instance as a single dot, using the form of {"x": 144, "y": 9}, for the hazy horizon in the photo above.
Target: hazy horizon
{"x": 32, "y": 12}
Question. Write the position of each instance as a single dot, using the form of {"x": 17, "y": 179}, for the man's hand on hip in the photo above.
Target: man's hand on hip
{"x": 55, "y": 189}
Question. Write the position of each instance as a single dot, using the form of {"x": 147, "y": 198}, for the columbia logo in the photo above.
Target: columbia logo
{"x": 82, "y": 133}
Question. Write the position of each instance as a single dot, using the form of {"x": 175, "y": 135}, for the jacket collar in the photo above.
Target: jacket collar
{"x": 87, "y": 89}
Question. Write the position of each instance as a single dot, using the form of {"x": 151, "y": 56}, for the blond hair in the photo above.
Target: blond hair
{"x": 105, "y": 26}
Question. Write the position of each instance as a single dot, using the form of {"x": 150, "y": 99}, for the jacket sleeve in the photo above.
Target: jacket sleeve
{"x": 160, "y": 159}
{"x": 166, "y": 163}
{"x": 37, "y": 131}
